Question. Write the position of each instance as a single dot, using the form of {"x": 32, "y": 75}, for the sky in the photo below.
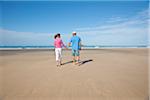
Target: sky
{"x": 34, "y": 23}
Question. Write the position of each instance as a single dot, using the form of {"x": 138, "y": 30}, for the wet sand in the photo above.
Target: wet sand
{"x": 105, "y": 74}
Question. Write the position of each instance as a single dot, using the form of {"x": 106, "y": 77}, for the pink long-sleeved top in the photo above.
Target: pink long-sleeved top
{"x": 58, "y": 43}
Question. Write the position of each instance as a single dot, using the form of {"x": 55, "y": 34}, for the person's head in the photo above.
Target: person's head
{"x": 55, "y": 36}
{"x": 58, "y": 35}
{"x": 74, "y": 33}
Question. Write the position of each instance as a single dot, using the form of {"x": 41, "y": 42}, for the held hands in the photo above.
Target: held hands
{"x": 69, "y": 44}
{"x": 66, "y": 48}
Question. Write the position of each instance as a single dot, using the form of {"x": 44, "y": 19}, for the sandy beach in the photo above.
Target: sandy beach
{"x": 105, "y": 74}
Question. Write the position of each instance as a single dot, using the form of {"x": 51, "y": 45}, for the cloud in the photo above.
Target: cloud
{"x": 115, "y": 31}
{"x": 119, "y": 31}
{"x": 23, "y": 38}
{"x": 14, "y": 38}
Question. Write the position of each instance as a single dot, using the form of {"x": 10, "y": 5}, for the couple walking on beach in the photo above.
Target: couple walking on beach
{"x": 75, "y": 43}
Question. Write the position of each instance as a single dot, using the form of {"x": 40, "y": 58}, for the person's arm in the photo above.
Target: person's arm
{"x": 54, "y": 43}
{"x": 63, "y": 44}
{"x": 80, "y": 44}
{"x": 69, "y": 44}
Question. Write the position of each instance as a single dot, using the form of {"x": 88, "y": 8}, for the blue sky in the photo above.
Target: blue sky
{"x": 97, "y": 22}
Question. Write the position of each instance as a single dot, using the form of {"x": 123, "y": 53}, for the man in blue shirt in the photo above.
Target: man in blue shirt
{"x": 75, "y": 41}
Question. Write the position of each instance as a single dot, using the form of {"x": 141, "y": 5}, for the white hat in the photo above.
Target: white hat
{"x": 73, "y": 32}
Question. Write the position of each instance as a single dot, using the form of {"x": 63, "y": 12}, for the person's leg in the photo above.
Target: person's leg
{"x": 74, "y": 59}
{"x": 60, "y": 56}
{"x": 77, "y": 56}
{"x": 73, "y": 55}
{"x": 57, "y": 56}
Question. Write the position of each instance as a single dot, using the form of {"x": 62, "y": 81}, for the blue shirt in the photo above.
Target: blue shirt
{"x": 75, "y": 40}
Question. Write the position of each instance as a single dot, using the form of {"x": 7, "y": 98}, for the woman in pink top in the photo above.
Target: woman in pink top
{"x": 58, "y": 43}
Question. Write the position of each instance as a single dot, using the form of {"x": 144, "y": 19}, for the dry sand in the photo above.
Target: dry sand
{"x": 106, "y": 74}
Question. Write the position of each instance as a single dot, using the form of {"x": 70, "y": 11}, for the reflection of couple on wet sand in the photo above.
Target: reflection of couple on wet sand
{"x": 75, "y": 43}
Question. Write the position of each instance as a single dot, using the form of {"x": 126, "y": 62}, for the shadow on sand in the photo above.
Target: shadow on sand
{"x": 85, "y": 61}
{"x": 67, "y": 62}
{"x": 80, "y": 63}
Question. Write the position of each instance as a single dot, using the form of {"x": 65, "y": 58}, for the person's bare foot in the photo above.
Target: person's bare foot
{"x": 58, "y": 64}
{"x": 74, "y": 62}
{"x": 77, "y": 62}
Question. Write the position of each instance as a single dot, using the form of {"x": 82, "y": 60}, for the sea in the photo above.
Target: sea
{"x": 83, "y": 47}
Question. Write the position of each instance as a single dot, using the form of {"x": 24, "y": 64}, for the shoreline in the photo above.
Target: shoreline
{"x": 30, "y": 49}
